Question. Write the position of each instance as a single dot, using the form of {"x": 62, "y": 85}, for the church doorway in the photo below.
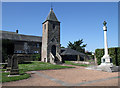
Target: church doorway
{"x": 53, "y": 50}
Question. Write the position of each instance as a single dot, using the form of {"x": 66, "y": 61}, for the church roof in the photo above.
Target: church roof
{"x": 51, "y": 16}
{"x": 69, "y": 51}
{"x": 19, "y": 37}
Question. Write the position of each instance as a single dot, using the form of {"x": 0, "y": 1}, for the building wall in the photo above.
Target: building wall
{"x": 50, "y": 37}
{"x": 27, "y": 47}
{"x": 10, "y": 47}
{"x": 71, "y": 58}
{"x": 44, "y": 41}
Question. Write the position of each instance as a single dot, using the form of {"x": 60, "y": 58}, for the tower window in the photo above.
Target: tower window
{"x": 45, "y": 26}
{"x": 53, "y": 26}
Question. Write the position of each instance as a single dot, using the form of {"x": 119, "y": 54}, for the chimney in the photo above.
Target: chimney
{"x": 16, "y": 31}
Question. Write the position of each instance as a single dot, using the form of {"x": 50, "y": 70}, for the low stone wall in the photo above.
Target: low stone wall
{"x": 25, "y": 57}
{"x": 81, "y": 62}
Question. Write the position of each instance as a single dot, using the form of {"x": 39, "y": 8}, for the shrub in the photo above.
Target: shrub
{"x": 36, "y": 57}
{"x": 118, "y": 55}
{"x": 113, "y": 52}
{"x": 99, "y": 53}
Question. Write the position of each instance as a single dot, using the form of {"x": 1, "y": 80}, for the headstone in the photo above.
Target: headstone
{"x": 14, "y": 65}
{"x": 5, "y": 65}
{"x": 9, "y": 63}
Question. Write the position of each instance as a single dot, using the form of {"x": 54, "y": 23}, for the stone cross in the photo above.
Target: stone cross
{"x": 14, "y": 65}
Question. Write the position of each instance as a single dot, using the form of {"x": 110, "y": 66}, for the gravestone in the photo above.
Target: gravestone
{"x": 5, "y": 65}
{"x": 9, "y": 63}
{"x": 14, "y": 65}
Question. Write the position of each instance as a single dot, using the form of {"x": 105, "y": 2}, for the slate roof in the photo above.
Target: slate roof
{"x": 19, "y": 37}
{"x": 69, "y": 51}
{"x": 51, "y": 16}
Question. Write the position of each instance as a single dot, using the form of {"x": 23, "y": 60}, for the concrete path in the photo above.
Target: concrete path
{"x": 78, "y": 76}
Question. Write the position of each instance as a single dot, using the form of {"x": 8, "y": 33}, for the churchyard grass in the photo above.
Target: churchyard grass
{"x": 37, "y": 65}
{"x": 29, "y": 66}
{"x": 2, "y": 69}
{"x": 5, "y": 77}
{"x": 76, "y": 64}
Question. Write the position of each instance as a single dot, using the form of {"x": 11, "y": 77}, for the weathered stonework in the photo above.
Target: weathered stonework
{"x": 50, "y": 37}
{"x": 9, "y": 63}
{"x": 14, "y": 65}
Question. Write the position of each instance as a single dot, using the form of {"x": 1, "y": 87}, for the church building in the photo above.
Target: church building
{"x": 48, "y": 46}
{"x": 51, "y": 39}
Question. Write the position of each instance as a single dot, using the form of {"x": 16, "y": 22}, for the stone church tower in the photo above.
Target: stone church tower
{"x": 51, "y": 39}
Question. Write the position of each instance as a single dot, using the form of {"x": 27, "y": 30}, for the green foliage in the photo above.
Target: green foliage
{"x": 76, "y": 64}
{"x": 113, "y": 52}
{"x": 36, "y": 65}
{"x": 4, "y": 55}
{"x": 36, "y": 57}
{"x": 31, "y": 66}
{"x": 62, "y": 47}
{"x": 7, "y": 49}
{"x": 88, "y": 53}
{"x": 14, "y": 78}
{"x": 99, "y": 53}
{"x": 77, "y": 45}
{"x": 118, "y": 55}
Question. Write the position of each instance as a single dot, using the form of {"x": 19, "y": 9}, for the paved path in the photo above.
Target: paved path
{"x": 78, "y": 76}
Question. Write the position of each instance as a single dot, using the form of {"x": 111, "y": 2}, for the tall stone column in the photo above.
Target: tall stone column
{"x": 105, "y": 39}
{"x": 106, "y": 59}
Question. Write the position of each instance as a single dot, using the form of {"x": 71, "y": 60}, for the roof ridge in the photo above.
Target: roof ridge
{"x": 19, "y": 34}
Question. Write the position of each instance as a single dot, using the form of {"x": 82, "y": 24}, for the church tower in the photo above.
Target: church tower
{"x": 51, "y": 39}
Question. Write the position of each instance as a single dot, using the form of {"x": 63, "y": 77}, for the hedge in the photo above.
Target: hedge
{"x": 113, "y": 52}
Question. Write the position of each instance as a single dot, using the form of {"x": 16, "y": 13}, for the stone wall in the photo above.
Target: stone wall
{"x": 27, "y": 47}
{"x": 26, "y": 57}
{"x": 50, "y": 37}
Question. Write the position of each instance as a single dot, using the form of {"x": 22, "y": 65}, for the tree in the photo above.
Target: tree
{"x": 88, "y": 53}
{"x": 77, "y": 45}
{"x": 62, "y": 47}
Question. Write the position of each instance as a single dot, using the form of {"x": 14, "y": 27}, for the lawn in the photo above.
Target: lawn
{"x": 36, "y": 65}
{"x": 14, "y": 78}
{"x": 76, "y": 64}
{"x": 30, "y": 66}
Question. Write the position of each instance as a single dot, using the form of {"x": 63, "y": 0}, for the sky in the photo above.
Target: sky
{"x": 79, "y": 20}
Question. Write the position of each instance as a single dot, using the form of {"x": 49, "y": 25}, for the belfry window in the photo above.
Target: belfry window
{"x": 53, "y": 26}
{"x": 45, "y": 26}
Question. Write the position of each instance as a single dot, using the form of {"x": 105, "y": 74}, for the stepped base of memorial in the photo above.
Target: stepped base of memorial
{"x": 105, "y": 67}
